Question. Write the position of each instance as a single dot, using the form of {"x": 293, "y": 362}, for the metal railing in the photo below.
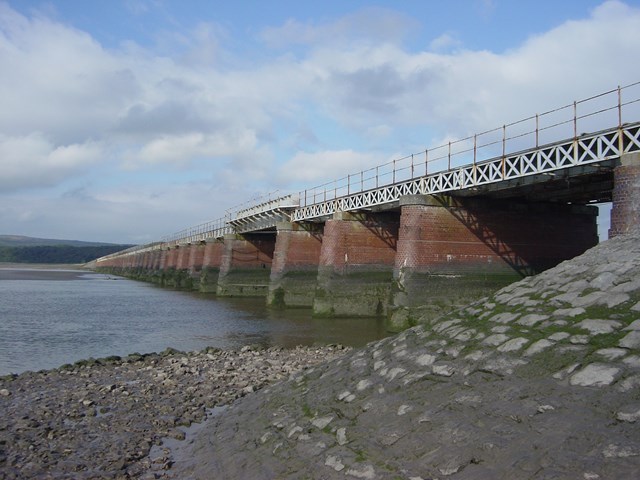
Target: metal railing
{"x": 590, "y": 114}
{"x": 285, "y": 202}
{"x": 213, "y": 229}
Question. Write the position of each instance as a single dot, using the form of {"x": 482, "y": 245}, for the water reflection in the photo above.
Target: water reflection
{"x": 48, "y": 318}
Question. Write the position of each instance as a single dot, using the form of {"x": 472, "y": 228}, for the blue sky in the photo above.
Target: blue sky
{"x": 127, "y": 120}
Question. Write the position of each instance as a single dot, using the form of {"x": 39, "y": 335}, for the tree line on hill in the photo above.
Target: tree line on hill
{"x": 56, "y": 253}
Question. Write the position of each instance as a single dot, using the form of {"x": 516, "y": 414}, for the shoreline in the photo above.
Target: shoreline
{"x": 101, "y": 418}
{"x": 44, "y": 266}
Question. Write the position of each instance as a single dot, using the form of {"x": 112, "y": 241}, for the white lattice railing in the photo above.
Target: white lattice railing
{"x": 586, "y": 150}
{"x": 214, "y": 229}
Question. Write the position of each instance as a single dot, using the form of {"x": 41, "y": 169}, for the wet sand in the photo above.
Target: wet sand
{"x": 40, "y": 272}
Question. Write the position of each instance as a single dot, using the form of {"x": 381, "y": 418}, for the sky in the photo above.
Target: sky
{"x": 128, "y": 120}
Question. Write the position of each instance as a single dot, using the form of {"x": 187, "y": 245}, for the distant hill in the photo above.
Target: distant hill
{"x": 21, "y": 249}
{"x": 22, "y": 241}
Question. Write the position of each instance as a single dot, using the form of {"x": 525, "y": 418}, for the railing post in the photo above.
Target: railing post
{"x": 449, "y": 158}
{"x": 361, "y": 180}
{"x": 426, "y": 162}
{"x": 475, "y": 155}
{"x": 504, "y": 147}
{"x": 537, "y": 130}
{"x": 349, "y": 184}
{"x": 619, "y": 107}
{"x": 377, "y": 184}
{"x": 394, "y": 172}
{"x": 412, "y": 166}
{"x": 620, "y": 132}
{"x": 575, "y": 132}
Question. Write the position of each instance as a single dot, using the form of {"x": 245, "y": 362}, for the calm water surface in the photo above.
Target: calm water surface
{"x": 52, "y": 317}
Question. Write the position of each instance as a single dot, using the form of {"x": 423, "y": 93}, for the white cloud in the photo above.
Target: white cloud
{"x": 127, "y": 213}
{"x": 33, "y": 161}
{"x": 373, "y": 24}
{"x": 182, "y": 149}
{"x": 446, "y": 41}
{"x": 327, "y": 165}
{"x": 57, "y": 80}
{"x": 468, "y": 91}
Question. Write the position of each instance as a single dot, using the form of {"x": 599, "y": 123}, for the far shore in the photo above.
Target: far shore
{"x": 44, "y": 266}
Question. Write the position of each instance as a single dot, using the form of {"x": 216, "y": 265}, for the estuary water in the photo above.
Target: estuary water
{"x": 51, "y": 317}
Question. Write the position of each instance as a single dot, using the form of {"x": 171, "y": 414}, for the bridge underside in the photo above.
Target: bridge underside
{"x": 579, "y": 185}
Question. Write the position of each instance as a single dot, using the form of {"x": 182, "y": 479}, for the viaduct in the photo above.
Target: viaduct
{"x": 428, "y": 231}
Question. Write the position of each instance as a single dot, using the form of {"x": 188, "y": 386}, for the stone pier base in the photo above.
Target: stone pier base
{"x": 356, "y": 265}
{"x": 246, "y": 265}
{"x": 294, "y": 271}
{"x": 625, "y": 210}
{"x": 452, "y": 251}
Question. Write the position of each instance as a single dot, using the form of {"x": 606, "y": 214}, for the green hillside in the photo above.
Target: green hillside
{"x": 23, "y": 241}
{"x": 21, "y": 249}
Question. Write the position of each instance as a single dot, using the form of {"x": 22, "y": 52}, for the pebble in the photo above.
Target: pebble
{"x": 632, "y": 361}
{"x": 630, "y": 413}
{"x": 559, "y": 336}
{"x": 538, "y": 347}
{"x": 568, "y": 312}
{"x": 597, "y": 327}
{"x": 579, "y": 339}
{"x": 620, "y": 451}
{"x": 322, "y": 422}
{"x": 611, "y": 353}
{"x": 531, "y": 319}
{"x": 341, "y": 436}
{"x": 425, "y": 359}
{"x": 513, "y": 345}
{"x": 365, "y": 471}
{"x": 443, "y": 370}
{"x": 495, "y": 340}
{"x": 505, "y": 317}
{"x": 631, "y": 340}
{"x": 635, "y": 325}
{"x": 363, "y": 384}
{"x": 334, "y": 462}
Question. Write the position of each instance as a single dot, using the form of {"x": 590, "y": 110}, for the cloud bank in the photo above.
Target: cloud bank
{"x": 158, "y": 141}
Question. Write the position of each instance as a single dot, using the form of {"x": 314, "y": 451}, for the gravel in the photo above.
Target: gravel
{"x": 103, "y": 418}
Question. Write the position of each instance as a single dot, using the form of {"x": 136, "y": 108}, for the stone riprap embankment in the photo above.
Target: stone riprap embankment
{"x": 101, "y": 418}
{"x": 541, "y": 380}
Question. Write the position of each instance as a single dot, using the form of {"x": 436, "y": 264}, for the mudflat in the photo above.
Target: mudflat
{"x": 40, "y": 272}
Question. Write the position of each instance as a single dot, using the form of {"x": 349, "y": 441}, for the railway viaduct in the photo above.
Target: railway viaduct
{"x": 428, "y": 231}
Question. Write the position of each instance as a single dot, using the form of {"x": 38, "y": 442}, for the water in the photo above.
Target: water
{"x": 52, "y": 317}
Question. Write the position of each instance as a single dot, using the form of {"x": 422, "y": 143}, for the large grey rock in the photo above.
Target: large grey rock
{"x": 595, "y": 375}
{"x": 631, "y": 340}
{"x": 597, "y": 327}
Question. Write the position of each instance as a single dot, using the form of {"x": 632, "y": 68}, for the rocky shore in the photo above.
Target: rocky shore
{"x": 109, "y": 418}
{"x": 539, "y": 381}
